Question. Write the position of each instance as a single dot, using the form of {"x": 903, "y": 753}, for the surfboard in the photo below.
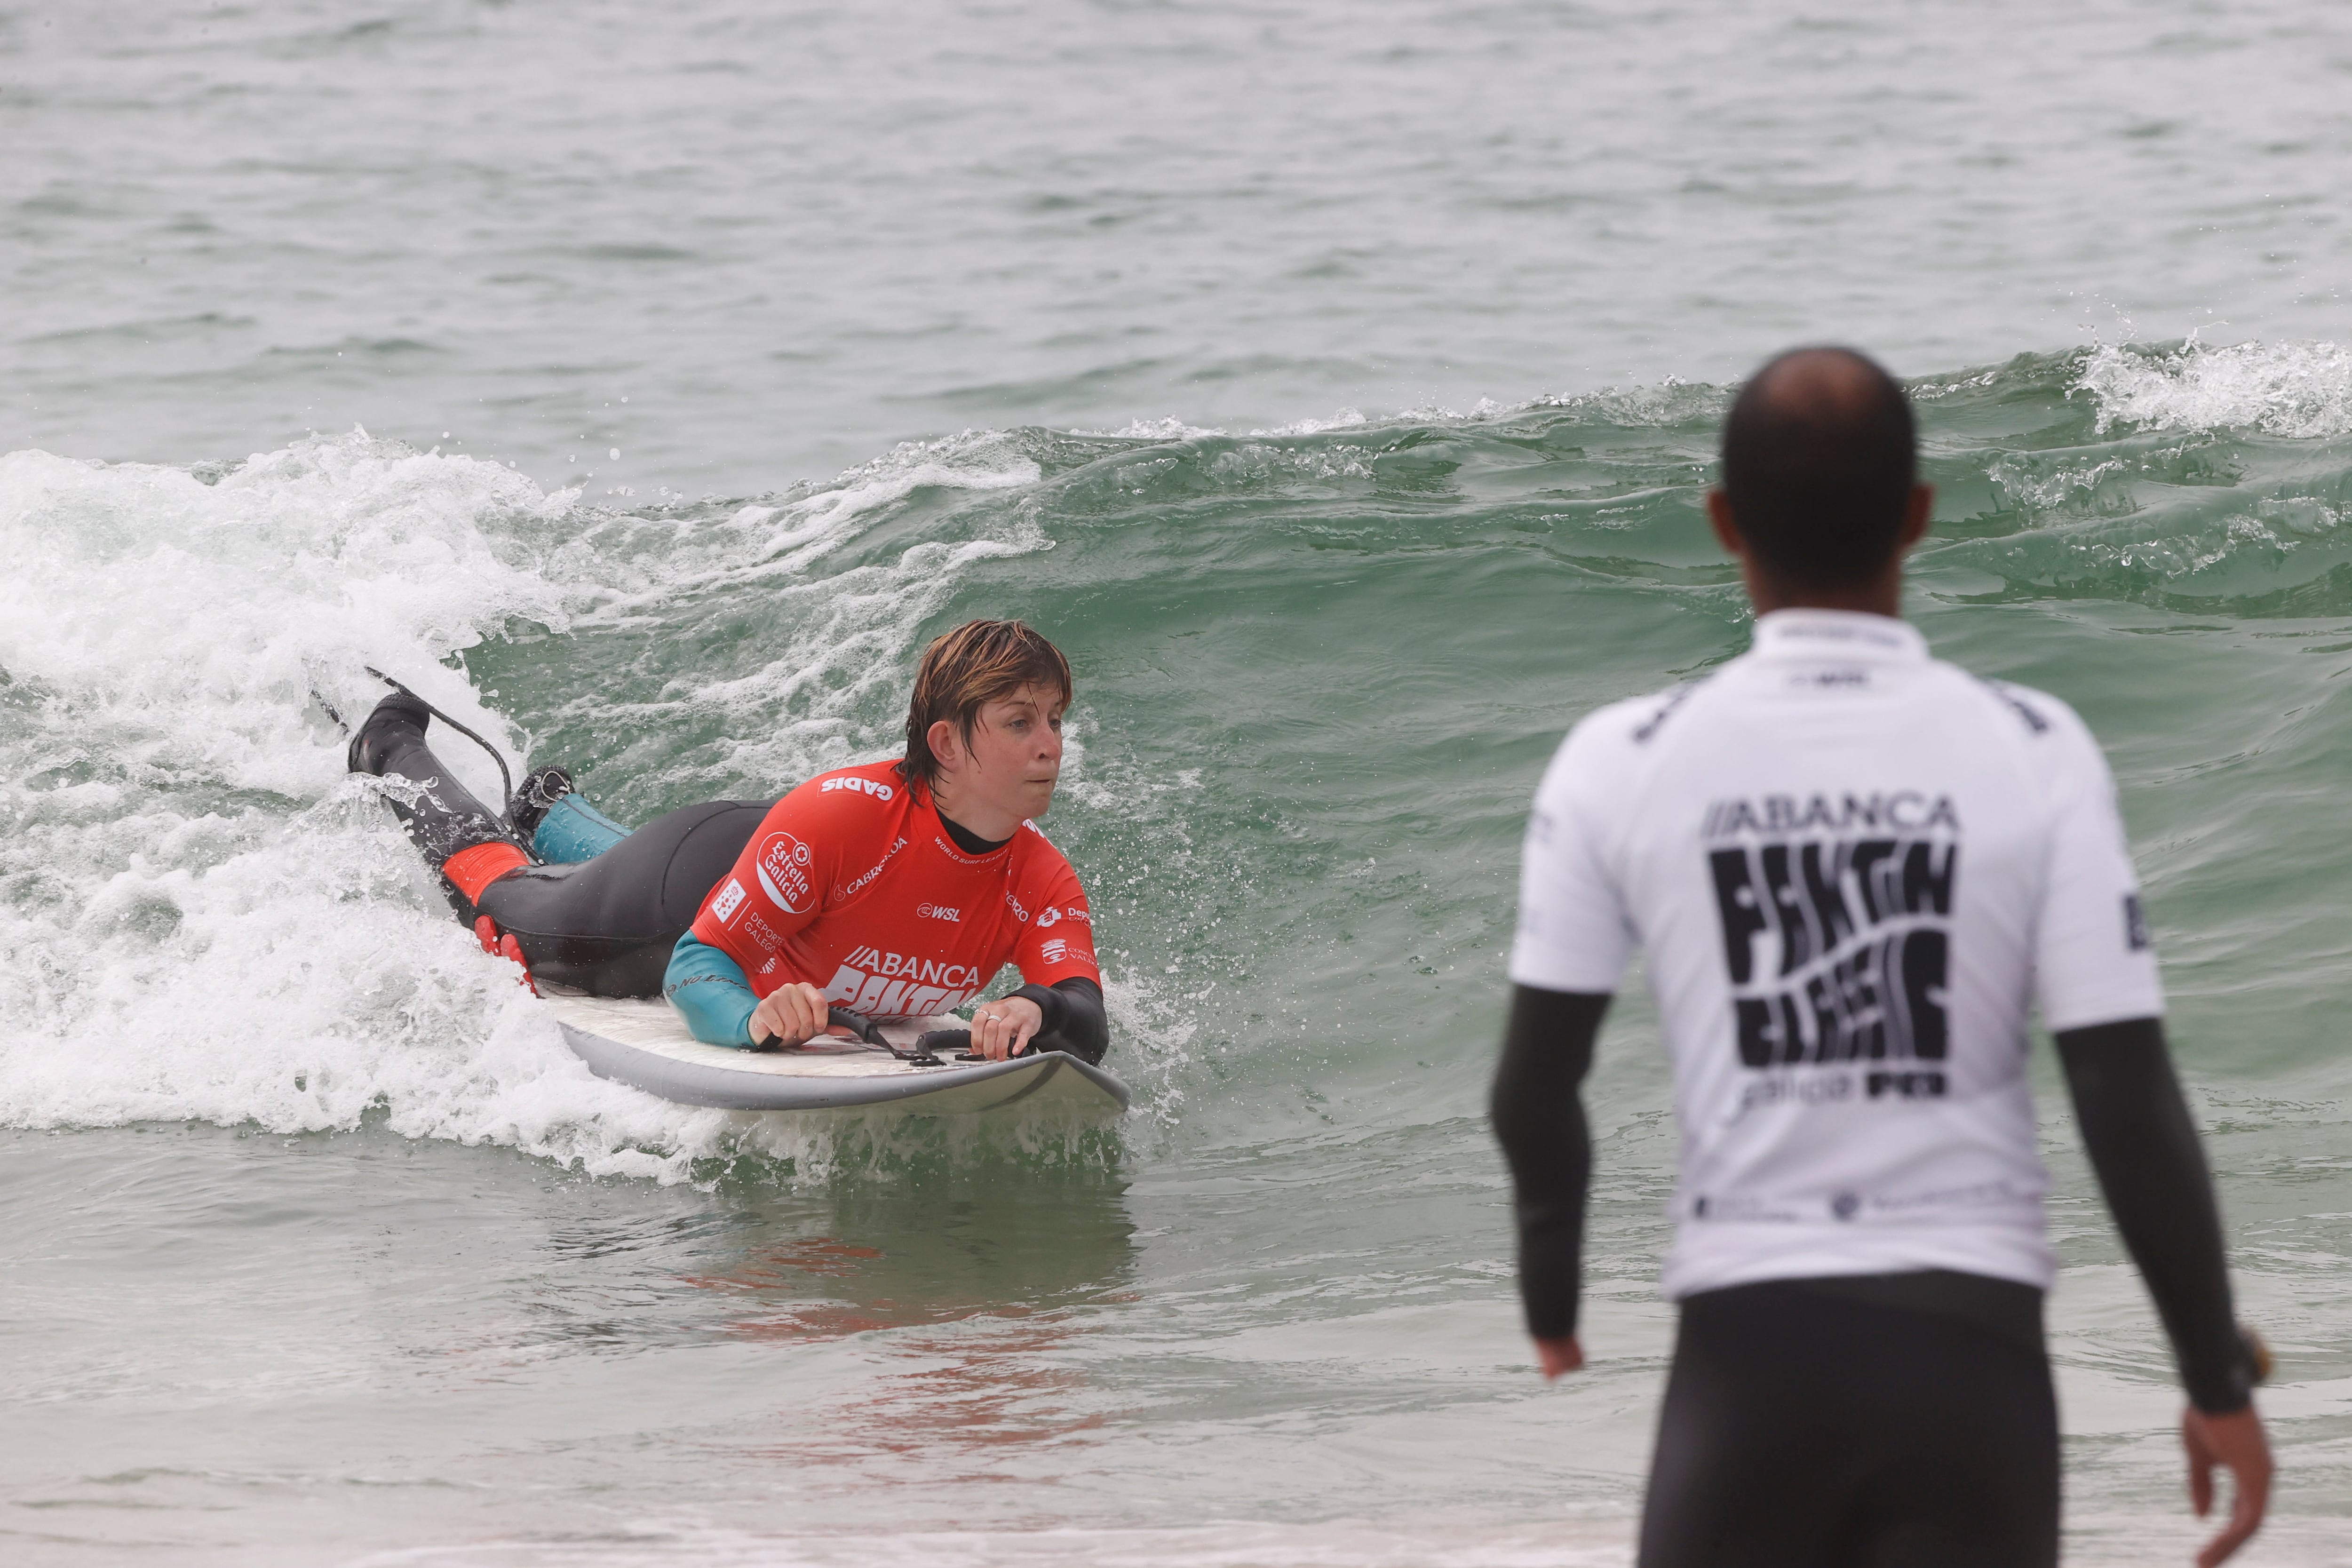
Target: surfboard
{"x": 644, "y": 1044}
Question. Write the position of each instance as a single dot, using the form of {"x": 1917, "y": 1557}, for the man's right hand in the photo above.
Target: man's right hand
{"x": 1559, "y": 1355}
{"x": 789, "y": 1015}
{"x": 2235, "y": 1442}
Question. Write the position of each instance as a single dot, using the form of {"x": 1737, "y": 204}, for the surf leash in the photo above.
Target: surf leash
{"x": 506, "y": 779}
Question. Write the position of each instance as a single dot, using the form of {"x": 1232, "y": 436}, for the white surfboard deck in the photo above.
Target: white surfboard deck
{"x": 644, "y": 1044}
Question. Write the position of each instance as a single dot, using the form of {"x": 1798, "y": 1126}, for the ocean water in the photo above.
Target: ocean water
{"x": 1337, "y": 385}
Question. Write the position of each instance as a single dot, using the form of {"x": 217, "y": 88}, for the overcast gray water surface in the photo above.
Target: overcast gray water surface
{"x": 1336, "y": 383}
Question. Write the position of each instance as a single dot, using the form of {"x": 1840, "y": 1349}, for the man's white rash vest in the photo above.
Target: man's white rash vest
{"x": 1853, "y": 869}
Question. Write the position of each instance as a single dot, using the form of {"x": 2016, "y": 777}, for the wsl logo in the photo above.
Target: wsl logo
{"x": 1839, "y": 948}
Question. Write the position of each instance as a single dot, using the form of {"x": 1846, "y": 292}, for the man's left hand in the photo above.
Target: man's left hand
{"x": 2234, "y": 1443}
{"x": 1002, "y": 1028}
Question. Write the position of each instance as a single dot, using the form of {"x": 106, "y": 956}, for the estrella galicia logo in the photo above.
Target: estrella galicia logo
{"x": 1838, "y": 947}
{"x": 783, "y": 867}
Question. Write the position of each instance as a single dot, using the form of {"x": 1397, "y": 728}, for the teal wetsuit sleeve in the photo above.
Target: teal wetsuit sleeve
{"x": 709, "y": 992}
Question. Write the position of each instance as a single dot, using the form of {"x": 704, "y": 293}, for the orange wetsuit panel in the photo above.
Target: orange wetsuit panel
{"x": 471, "y": 870}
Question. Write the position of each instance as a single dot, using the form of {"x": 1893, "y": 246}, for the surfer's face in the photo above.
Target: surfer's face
{"x": 1014, "y": 754}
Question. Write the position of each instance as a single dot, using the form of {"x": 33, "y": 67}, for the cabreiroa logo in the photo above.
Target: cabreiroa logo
{"x": 784, "y": 871}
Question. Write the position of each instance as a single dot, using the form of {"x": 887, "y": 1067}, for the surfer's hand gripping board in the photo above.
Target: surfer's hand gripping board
{"x": 791, "y": 1014}
{"x": 795, "y": 1014}
{"x": 1002, "y": 1028}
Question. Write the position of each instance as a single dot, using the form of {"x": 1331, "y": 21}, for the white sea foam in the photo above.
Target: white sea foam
{"x": 1168, "y": 429}
{"x": 2296, "y": 389}
{"x": 206, "y": 916}
{"x": 1346, "y": 419}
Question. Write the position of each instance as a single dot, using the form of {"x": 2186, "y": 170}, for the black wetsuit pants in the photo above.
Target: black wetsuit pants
{"x": 606, "y": 926}
{"x": 603, "y": 927}
{"x": 1807, "y": 1429}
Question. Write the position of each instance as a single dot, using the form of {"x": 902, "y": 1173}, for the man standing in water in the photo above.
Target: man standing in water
{"x": 1854, "y": 868}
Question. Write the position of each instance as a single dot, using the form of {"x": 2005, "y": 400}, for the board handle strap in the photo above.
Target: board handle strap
{"x": 871, "y": 1033}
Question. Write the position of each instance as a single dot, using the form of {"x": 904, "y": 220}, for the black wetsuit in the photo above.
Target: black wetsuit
{"x": 1885, "y": 1421}
{"x": 606, "y": 926}
{"x": 603, "y": 927}
{"x": 1888, "y": 1419}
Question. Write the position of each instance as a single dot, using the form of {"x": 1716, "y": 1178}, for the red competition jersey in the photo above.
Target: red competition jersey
{"x": 851, "y": 884}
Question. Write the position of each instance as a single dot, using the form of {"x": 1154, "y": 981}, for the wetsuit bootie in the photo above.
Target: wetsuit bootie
{"x": 399, "y": 718}
{"x": 534, "y": 797}
{"x": 463, "y": 839}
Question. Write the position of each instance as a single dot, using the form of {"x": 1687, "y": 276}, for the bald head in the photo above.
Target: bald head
{"x": 1819, "y": 460}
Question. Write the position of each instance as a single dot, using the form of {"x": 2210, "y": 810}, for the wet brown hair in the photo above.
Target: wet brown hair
{"x": 978, "y": 663}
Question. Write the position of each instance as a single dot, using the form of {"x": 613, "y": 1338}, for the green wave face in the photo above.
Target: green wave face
{"x": 1319, "y": 672}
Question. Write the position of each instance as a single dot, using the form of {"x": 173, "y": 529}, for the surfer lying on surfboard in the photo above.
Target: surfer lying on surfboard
{"x": 890, "y": 889}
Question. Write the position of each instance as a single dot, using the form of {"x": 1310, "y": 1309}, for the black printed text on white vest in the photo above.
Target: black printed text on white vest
{"x": 1837, "y": 918}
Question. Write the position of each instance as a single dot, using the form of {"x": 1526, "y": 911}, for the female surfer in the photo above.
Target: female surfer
{"x": 892, "y": 889}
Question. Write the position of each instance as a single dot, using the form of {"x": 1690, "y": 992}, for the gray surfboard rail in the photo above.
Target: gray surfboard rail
{"x": 756, "y": 1083}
